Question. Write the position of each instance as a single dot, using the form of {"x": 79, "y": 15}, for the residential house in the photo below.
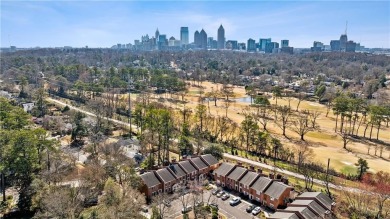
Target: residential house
{"x": 211, "y": 161}
{"x": 320, "y": 198}
{"x": 301, "y": 212}
{"x": 201, "y": 167}
{"x": 178, "y": 172}
{"x": 190, "y": 170}
{"x": 314, "y": 206}
{"x": 221, "y": 173}
{"x": 246, "y": 181}
{"x": 151, "y": 184}
{"x": 257, "y": 189}
{"x": 167, "y": 178}
{"x": 283, "y": 215}
{"x": 234, "y": 177}
{"x": 277, "y": 194}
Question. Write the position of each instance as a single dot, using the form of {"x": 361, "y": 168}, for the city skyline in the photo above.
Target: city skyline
{"x": 103, "y": 24}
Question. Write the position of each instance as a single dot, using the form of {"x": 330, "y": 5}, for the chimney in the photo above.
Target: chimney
{"x": 252, "y": 168}
{"x": 174, "y": 160}
{"x": 239, "y": 164}
{"x": 259, "y": 171}
{"x": 279, "y": 176}
{"x": 271, "y": 176}
{"x": 285, "y": 180}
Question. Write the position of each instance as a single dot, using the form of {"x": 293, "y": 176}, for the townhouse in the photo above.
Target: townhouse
{"x": 221, "y": 173}
{"x": 167, "y": 179}
{"x": 307, "y": 205}
{"x": 257, "y": 189}
{"x": 151, "y": 184}
{"x": 277, "y": 194}
{"x": 246, "y": 181}
{"x": 201, "y": 167}
{"x": 234, "y": 177}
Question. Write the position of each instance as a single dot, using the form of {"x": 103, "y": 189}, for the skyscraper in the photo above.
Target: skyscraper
{"x": 343, "y": 42}
{"x": 184, "y": 35}
{"x": 251, "y": 45}
{"x": 196, "y": 38}
{"x": 263, "y": 42}
{"x": 221, "y": 37}
{"x": 203, "y": 39}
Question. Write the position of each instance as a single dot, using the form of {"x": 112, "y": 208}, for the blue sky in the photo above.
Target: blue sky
{"x": 105, "y": 23}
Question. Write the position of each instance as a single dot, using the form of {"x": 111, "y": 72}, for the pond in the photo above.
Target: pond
{"x": 246, "y": 99}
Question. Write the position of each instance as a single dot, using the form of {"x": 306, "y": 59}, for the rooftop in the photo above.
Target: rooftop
{"x": 317, "y": 208}
{"x": 187, "y": 166}
{"x": 321, "y": 197}
{"x": 284, "y": 215}
{"x": 210, "y": 159}
{"x": 249, "y": 178}
{"x": 237, "y": 173}
{"x": 304, "y": 211}
{"x": 150, "y": 179}
{"x": 165, "y": 175}
{"x": 276, "y": 189}
{"x": 199, "y": 164}
{"x": 177, "y": 170}
{"x": 224, "y": 169}
{"x": 261, "y": 184}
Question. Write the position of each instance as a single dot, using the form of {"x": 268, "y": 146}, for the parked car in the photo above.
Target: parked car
{"x": 186, "y": 209}
{"x": 235, "y": 201}
{"x": 215, "y": 191}
{"x": 214, "y": 205}
{"x": 256, "y": 211}
{"x": 250, "y": 208}
{"x": 225, "y": 197}
{"x": 220, "y": 194}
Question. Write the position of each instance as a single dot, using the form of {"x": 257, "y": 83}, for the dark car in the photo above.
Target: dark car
{"x": 215, "y": 191}
{"x": 250, "y": 208}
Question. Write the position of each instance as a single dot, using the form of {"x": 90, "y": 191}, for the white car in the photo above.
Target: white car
{"x": 186, "y": 209}
{"x": 256, "y": 211}
{"x": 235, "y": 201}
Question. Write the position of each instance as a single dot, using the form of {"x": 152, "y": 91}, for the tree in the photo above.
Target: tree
{"x": 184, "y": 142}
{"x": 215, "y": 150}
{"x": 362, "y": 166}
{"x": 380, "y": 183}
{"x": 344, "y": 134}
{"x": 248, "y": 129}
{"x": 277, "y": 93}
{"x": 320, "y": 91}
{"x": 301, "y": 124}
{"x": 40, "y": 102}
{"x": 79, "y": 129}
{"x": 160, "y": 209}
{"x": 263, "y": 110}
{"x": 282, "y": 115}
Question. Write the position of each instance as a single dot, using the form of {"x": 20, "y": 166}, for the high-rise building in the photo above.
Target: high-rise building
{"x": 221, "y": 37}
{"x": 233, "y": 43}
{"x": 335, "y": 45}
{"x": 251, "y": 45}
{"x": 203, "y": 39}
{"x": 350, "y": 46}
{"x": 284, "y": 43}
{"x": 271, "y": 47}
{"x": 184, "y": 35}
{"x": 196, "y": 38}
{"x": 343, "y": 42}
{"x": 263, "y": 42}
{"x": 317, "y": 46}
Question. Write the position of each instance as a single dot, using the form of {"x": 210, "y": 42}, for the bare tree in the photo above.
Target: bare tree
{"x": 301, "y": 124}
{"x": 282, "y": 116}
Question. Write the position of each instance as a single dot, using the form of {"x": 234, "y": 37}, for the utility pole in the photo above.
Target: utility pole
{"x": 130, "y": 83}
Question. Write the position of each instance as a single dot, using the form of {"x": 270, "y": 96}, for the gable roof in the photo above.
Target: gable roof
{"x": 176, "y": 170}
{"x": 320, "y": 197}
{"x": 209, "y": 159}
{"x": 276, "y": 189}
{"x": 224, "y": 169}
{"x": 187, "y": 166}
{"x": 249, "y": 177}
{"x": 237, "y": 173}
{"x": 304, "y": 211}
{"x": 150, "y": 179}
{"x": 165, "y": 175}
{"x": 314, "y": 206}
{"x": 198, "y": 163}
{"x": 284, "y": 215}
{"x": 261, "y": 184}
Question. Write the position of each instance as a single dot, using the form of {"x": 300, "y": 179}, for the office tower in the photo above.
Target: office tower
{"x": 350, "y": 46}
{"x": 251, "y": 45}
{"x": 157, "y": 34}
{"x": 184, "y": 35}
{"x": 209, "y": 42}
{"x": 203, "y": 39}
{"x": 271, "y": 47}
{"x": 171, "y": 41}
{"x": 284, "y": 43}
{"x": 241, "y": 46}
{"x": 335, "y": 45}
{"x": 221, "y": 37}
{"x": 196, "y": 39}
{"x": 233, "y": 44}
{"x": 343, "y": 42}
{"x": 263, "y": 42}
{"x": 317, "y": 46}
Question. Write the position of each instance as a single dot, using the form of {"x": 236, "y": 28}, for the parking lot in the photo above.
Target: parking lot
{"x": 231, "y": 212}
